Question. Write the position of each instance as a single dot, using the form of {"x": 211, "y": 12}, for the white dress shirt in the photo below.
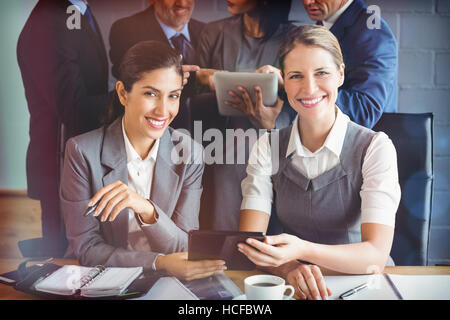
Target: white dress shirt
{"x": 331, "y": 20}
{"x": 380, "y": 191}
{"x": 140, "y": 177}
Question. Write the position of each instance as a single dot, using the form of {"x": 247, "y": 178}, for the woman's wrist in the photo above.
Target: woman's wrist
{"x": 283, "y": 270}
{"x": 306, "y": 252}
{"x": 160, "y": 262}
{"x": 148, "y": 215}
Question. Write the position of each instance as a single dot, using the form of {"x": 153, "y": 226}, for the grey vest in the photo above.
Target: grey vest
{"x": 326, "y": 209}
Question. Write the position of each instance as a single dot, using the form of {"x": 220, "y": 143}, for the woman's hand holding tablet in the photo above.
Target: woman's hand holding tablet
{"x": 258, "y": 114}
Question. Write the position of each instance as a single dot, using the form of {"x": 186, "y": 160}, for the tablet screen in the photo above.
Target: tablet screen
{"x": 221, "y": 245}
{"x": 225, "y": 81}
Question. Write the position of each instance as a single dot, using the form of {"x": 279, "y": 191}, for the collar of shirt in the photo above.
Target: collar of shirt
{"x": 132, "y": 155}
{"x": 333, "y": 142}
{"x": 170, "y": 32}
{"x": 80, "y": 4}
{"x": 331, "y": 20}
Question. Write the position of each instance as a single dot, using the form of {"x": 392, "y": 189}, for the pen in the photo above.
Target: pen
{"x": 353, "y": 291}
{"x": 90, "y": 210}
{"x": 128, "y": 293}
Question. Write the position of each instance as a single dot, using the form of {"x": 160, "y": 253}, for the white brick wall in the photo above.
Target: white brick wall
{"x": 422, "y": 29}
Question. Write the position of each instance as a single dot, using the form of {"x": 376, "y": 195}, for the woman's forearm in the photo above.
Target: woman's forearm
{"x": 355, "y": 258}
{"x": 368, "y": 256}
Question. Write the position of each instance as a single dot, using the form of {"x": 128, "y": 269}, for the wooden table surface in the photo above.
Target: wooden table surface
{"x": 9, "y": 293}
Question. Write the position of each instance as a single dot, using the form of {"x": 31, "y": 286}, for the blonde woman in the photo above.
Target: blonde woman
{"x": 336, "y": 191}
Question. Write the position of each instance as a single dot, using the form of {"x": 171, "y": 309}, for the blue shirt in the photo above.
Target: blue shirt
{"x": 81, "y": 5}
{"x": 170, "y": 32}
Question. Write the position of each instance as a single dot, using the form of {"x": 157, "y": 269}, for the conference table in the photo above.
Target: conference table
{"x": 237, "y": 276}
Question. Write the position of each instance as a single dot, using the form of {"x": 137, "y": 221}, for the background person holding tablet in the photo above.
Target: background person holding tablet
{"x": 146, "y": 202}
{"x": 336, "y": 191}
{"x": 247, "y": 41}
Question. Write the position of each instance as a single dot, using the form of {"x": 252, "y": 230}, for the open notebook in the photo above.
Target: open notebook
{"x": 88, "y": 282}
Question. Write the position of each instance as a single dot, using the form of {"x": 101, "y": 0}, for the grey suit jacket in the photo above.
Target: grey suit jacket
{"x": 220, "y": 41}
{"x": 98, "y": 158}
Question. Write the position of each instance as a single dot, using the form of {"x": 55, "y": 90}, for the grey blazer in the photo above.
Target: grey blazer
{"x": 220, "y": 41}
{"x": 98, "y": 158}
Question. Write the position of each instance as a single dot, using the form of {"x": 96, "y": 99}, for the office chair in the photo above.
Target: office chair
{"x": 412, "y": 135}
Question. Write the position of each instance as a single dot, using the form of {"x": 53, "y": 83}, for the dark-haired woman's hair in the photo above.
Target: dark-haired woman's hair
{"x": 143, "y": 57}
{"x": 272, "y": 14}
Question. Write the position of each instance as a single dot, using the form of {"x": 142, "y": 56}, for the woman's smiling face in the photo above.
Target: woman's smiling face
{"x": 151, "y": 104}
{"x": 311, "y": 81}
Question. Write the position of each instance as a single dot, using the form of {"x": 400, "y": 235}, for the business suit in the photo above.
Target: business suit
{"x": 141, "y": 26}
{"x": 371, "y": 66}
{"x": 98, "y": 158}
{"x": 65, "y": 76}
{"x": 220, "y": 42}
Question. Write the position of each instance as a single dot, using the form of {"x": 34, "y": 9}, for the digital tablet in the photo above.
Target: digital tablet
{"x": 225, "y": 81}
{"x": 221, "y": 245}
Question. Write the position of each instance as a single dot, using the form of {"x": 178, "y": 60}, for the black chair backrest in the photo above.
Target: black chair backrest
{"x": 412, "y": 135}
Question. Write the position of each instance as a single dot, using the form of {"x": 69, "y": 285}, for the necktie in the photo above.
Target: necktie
{"x": 91, "y": 20}
{"x": 185, "y": 48}
{"x": 319, "y": 23}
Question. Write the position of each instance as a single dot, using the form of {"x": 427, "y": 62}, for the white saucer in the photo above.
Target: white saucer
{"x": 243, "y": 297}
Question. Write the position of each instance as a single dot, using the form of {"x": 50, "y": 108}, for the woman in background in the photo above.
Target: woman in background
{"x": 146, "y": 199}
{"x": 248, "y": 41}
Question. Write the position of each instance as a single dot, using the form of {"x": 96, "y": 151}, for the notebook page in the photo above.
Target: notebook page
{"x": 113, "y": 280}
{"x": 378, "y": 287}
{"x": 422, "y": 287}
{"x": 65, "y": 281}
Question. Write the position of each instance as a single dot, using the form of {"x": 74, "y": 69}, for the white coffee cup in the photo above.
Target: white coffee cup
{"x": 266, "y": 287}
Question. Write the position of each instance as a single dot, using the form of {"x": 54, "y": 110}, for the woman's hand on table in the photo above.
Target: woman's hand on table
{"x": 115, "y": 197}
{"x": 260, "y": 116}
{"x": 307, "y": 281}
{"x": 178, "y": 265}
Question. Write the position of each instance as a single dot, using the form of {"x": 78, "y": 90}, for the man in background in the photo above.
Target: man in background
{"x": 370, "y": 56}
{"x": 64, "y": 69}
{"x": 167, "y": 21}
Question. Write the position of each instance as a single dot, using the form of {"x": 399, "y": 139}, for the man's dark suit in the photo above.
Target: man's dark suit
{"x": 371, "y": 66}
{"x": 65, "y": 76}
{"x": 143, "y": 26}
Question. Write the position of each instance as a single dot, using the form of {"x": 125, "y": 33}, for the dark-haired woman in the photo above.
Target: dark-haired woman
{"x": 147, "y": 200}
{"x": 247, "y": 40}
